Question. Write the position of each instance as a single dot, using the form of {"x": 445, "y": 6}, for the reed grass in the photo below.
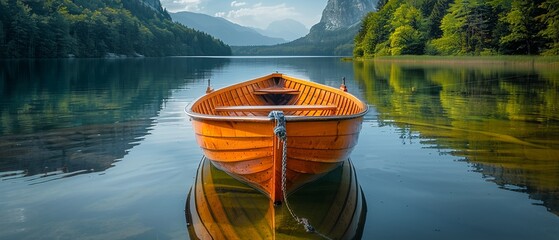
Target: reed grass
{"x": 471, "y": 60}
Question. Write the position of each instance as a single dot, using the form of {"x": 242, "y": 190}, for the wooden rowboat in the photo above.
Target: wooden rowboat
{"x": 220, "y": 207}
{"x": 234, "y": 130}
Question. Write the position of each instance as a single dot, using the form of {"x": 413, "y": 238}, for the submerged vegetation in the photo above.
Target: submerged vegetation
{"x": 96, "y": 28}
{"x": 460, "y": 27}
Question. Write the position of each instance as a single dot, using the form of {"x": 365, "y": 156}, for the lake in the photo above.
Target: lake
{"x": 102, "y": 148}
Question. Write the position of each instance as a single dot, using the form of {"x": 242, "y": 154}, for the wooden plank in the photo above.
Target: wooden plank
{"x": 267, "y": 108}
{"x": 313, "y": 101}
{"x": 236, "y": 143}
{"x": 249, "y": 98}
{"x": 321, "y": 142}
{"x": 275, "y": 90}
{"x": 234, "y": 98}
{"x": 233, "y": 129}
{"x": 229, "y": 156}
{"x": 305, "y": 93}
{"x": 324, "y": 128}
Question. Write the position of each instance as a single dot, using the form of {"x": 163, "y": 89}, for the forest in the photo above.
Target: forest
{"x": 96, "y": 28}
{"x": 460, "y": 28}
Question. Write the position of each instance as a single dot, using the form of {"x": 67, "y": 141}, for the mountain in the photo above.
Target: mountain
{"x": 230, "y": 33}
{"x": 340, "y": 14}
{"x": 287, "y": 29}
{"x": 333, "y": 35}
{"x": 97, "y": 28}
{"x": 153, "y": 4}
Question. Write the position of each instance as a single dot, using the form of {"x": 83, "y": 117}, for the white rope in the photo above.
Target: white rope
{"x": 281, "y": 132}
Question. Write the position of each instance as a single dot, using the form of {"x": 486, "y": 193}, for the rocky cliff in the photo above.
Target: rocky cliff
{"x": 339, "y": 23}
{"x": 345, "y": 13}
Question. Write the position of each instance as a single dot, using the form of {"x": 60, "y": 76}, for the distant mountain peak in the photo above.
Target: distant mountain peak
{"x": 287, "y": 29}
{"x": 340, "y": 14}
{"x": 230, "y": 33}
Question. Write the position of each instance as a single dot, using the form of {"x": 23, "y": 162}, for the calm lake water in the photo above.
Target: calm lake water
{"x": 102, "y": 149}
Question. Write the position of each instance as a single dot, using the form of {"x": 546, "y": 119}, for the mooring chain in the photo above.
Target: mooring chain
{"x": 281, "y": 132}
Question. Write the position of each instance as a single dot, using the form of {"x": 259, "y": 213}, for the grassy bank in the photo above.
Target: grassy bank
{"x": 512, "y": 61}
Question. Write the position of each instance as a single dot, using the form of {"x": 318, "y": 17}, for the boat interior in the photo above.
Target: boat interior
{"x": 278, "y": 92}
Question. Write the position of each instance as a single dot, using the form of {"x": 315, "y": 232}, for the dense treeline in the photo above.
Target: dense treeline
{"x": 460, "y": 27}
{"x": 96, "y": 28}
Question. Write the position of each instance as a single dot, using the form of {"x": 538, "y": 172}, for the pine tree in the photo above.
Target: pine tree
{"x": 466, "y": 29}
{"x": 22, "y": 35}
{"x": 551, "y": 30}
{"x": 435, "y": 17}
{"x": 3, "y": 48}
{"x": 524, "y": 28}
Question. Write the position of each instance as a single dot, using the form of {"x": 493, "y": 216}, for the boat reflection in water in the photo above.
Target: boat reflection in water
{"x": 220, "y": 207}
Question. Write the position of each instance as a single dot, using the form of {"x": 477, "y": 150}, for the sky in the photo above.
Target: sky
{"x": 253, "y": 13}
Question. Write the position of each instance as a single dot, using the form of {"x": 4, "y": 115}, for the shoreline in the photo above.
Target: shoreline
{"x": 526, "y": 61}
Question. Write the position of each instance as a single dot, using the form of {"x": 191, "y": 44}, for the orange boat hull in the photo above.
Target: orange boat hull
{"x": 235, "y": 133}
{"x": 250, "y": 152}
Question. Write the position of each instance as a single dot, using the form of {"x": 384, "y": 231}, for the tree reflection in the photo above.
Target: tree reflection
{"x": 68, "y": 116}
{"x": 502, "y": 119}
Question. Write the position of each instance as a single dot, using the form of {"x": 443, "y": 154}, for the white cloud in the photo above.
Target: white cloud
{"x": 237, "y": 4}
{"x": 182, "y": 5}
{"x": 256, "y": 13}
{"x": 260, "y": 15}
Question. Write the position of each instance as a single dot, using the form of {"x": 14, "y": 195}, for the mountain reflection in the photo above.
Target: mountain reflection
{"x": 501, "y": 118}
{"x": 70, "y": 116}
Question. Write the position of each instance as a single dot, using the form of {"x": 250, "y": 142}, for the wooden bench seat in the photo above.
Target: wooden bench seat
{"x": 268, "y": 108}
{"x": 275, "y": 90}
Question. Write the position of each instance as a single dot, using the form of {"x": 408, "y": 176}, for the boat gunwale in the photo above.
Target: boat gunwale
{"x": 289, "y": 118}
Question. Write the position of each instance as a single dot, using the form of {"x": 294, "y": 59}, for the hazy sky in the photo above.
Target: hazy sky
{"x": 253, "y": 13}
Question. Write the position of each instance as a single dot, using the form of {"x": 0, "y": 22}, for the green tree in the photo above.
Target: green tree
{"x": 551, "y": 30}
{"x": 466, "y": 29}
{"x": 406, "y": 40}
{"x": 3, "y": 18}
{"x": 406, "y": 37}
{"x": 451, "y": 42}
{"x": 93, "y": 28}
{"x": 46, "y": 47}
{"x": 22, "y": 34}
{"x": 523, "y": 37}
{"x": 460, "y": 27}
{"x": 478, "y": 28}
{"x": 60, "y": 28}
{"x": 2, "y": 40}
{"x": 373, "y": 37}
{"x": 372, "y": 32}
{"x": 435, "y": 16}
